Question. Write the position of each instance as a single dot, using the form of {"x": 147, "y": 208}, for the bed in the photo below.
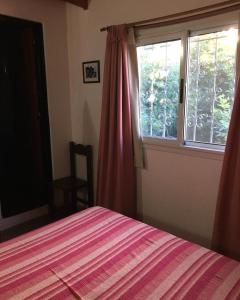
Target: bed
{"x": 100, "y": 254}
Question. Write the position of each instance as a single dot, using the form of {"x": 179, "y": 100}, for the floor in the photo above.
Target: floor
{"x": 34, "y": 224}
{"x": 24, "y": 227}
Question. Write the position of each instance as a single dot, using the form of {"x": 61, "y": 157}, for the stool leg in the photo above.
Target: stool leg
{"x": 90, "y": 197}
{"x": 65, "y": 194}
{"x": 51, "y": 203}
{"x": 74, "y": 201}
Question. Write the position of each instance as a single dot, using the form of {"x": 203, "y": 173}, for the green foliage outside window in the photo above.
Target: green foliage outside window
{"x": 159, "y": 92}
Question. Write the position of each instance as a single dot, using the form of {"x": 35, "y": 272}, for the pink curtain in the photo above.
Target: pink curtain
{"x": 116, "y": 182}
{"x": 226, "y": 236}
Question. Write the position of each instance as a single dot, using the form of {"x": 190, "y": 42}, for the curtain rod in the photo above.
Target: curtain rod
{"x": 225, "y": 6}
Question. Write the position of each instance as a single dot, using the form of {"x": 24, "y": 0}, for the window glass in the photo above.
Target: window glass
{"x": 210, "y": 86}
{"x": 159, "y": 68}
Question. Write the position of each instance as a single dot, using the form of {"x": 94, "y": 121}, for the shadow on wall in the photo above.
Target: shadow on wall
{"x": 194, "y": 238}
{"x": 89, "y": 134}
{"x": 139, "y": 194}
{"x": 90, "y": 137}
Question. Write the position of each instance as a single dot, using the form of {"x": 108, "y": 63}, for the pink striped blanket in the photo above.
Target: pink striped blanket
{"x": 99, "y": 254}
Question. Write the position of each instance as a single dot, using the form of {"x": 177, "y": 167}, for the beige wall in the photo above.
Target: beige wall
{"x": 52, "y": 14}
{"x": 178, "y": 188}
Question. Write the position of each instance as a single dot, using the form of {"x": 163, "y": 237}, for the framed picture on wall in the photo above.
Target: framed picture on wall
{"x": 91, "y": 71}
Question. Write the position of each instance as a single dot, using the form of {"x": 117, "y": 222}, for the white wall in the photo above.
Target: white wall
{"x": 178, "y": 188}
{"x": 52, "y": 14}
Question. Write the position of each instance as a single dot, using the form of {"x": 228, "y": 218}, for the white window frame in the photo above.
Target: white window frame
{"x": 182, "y": 32}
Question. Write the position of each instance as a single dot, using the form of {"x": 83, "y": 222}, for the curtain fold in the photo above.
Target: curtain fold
{"x": 116, "y": 178}
{"x": 134, "y": 96}
{"x": 226, "y": 234}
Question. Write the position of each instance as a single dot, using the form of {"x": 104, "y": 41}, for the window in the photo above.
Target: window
{"x": 187, "y": 87}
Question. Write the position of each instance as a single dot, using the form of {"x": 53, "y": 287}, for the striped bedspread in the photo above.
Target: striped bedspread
{"x": 99, "y": 254}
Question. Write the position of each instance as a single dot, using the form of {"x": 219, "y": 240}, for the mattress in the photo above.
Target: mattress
{"x": 100, "y": 254}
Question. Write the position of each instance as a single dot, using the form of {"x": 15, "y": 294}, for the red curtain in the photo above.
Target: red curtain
{"x": 226, "y": 235}
{"x": 116, "y": 182}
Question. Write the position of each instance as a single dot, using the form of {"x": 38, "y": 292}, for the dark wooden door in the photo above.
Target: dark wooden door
{"x": 25, "y": 155}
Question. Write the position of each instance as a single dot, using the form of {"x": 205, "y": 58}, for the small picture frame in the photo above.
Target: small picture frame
{"x": 91, "y": 71}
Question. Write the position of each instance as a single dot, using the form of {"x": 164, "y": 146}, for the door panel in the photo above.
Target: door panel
{"x": 25, "y": 165}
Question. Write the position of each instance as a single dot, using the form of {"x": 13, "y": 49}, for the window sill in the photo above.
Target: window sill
{"x": 171, "y": 146}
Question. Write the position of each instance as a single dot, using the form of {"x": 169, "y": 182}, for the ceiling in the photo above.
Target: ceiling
{"x": 80, "y": 3}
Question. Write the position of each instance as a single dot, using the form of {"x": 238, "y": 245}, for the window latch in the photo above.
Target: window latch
{"x": 181, "y": 90}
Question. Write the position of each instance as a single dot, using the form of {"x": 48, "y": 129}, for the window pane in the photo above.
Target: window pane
{"x": 159, "y": 68}
{"x": 210, "y": 86}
